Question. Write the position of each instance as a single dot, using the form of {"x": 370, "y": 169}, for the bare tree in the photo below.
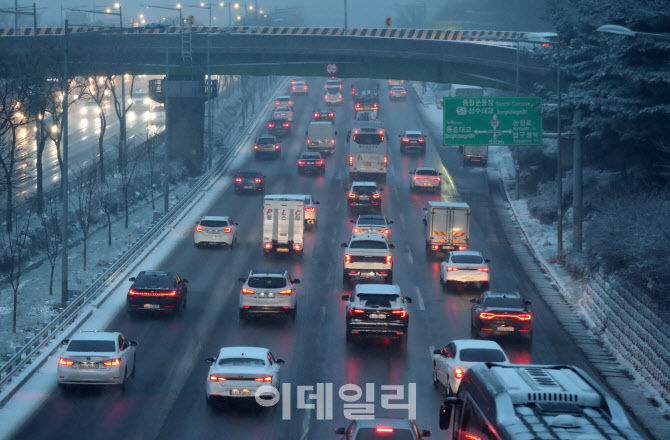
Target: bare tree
{"x": 86, "y": 181}
{"x": 97, "y": 89}
{"x": 125, "y": 179}
{"x": 151, "y": 144}
{"x": 109, "y": 203}
{"x": 121, "y": 113}
{"x": 51, "y": 241}
{"x": 13, "y": 243}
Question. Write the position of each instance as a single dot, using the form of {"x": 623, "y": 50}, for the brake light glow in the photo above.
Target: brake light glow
{"x": 428, "y": 178}
{"x": 332, "y": 141}
{"x": 112, "y": 363}
{"x": 297, "y": 247}
{"x": 285, "y": 124}
{"x": 276, "y": 103}
{"x": 325, "y": 96}
{"x": 386, "y": 159}
{"x": 286, "y": 292}
{"x": 374, "y": 107}
{"x": 386, "y": 430}
{"x": 292, "y": 81}
{"x": 376, "y": 196}
{"x": 471, "y": 437}
{"x": 405, "y": 139}
{"x": 304, "y": 88}
{"x": 389, "y": 260}
{"x": 458, "y": 373}
{"x": 353, "y": 312}
{"x": 214, "y": 378}
{"x": 238, "y": 179}
{"x": 462, "y": 248}
{"x": 170, "y": 293}
{"x": 310, "y": 209}
{"x": 290, "y": 103}
{"x": 247, "y": 291}
{"x": 302, "y": 162}
{"x": 352, "y": 195}
{"x": 545, "y": 44}
{"x": 258, "y": 180}
{"x": 402, "y": 313}
{"x": 347, "y": 258}
{"x": 351, "y": 160}
{"x": 319, "y": 162}
{"x": 255, "y": 147}
{"x": 276, "y": 146}
{"x": 227, "y": 230}
{"x": 520, "y": 317}
{"x": 316, "y": 115}
{"x": 357, "y": 231}
{"x": 264, "y": 379}
{"x": 293, "y": 88}
{"x": 483, "y": 269}
{"x": 386, "y": 231}
{"x": 331, "y": 115}
{"x": 357, "y": 106}
{"x": 198, "y": 229}
{"x": 404, "y": 92}
{"x": 434, "y": 247}
{"x": 271, "y": 125}
{"x": 353, "y": 91}
{"x": 65, "y": 361}
{"x": 422, "y": 140}
{"x": 267, "y": 245}
{"x": 451, "y": 269}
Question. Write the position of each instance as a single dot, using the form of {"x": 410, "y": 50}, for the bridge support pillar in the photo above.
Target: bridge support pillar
{"x": 184, "y": 117}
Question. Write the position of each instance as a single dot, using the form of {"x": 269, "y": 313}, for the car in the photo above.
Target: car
{"x": 284, "y": 101}
{"x": 501, "y": 313}
{"x": 333, "y": 83}
{"x": 299, "y": 88}
{"x": 366, "y": 115}
{"x": 267, "y": 145}
{"x": 90, "y": 108}
{"x": 465, "y": 268}
{"x": 397, "y": 92}
{"x": 156, "y": 291}
{"x": 412, "y": 141}
{"x": 297, "y": 79}
{"x": 96, "y": 358}
{"x": 252, "y": 181}
{"x": 396, "y": 82}
{"x": 324, "y": 115}
{"x": 155, "y": 25}
{"x": 382, "y": 428}
{"x": 268, "y": 291}
{"x": 425, "y": 178}
{"x": 377, "y": 309}
{"x": 367, "y": 256}
{"x": 311, "y": 163}
{"x": 279, "y": 126}
{"x": 363, "y": 195}
{"x": 283, "y": 112}
{"x": 218, "y": 230}
{"x": 372, "y": 225}
{"x": 451, "y": 362}
{"x": 333, "y": 96}
{"x": 237, "y": 373}
{"x": 538, "y": 41}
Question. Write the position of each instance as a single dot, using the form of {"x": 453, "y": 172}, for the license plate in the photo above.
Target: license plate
{"x": 363, "y": 198}
{"x": 505, "y": 329}
{"x": 266, "y": 295}
{"x": 282, "y": 250}
{"x": 88, "y": 366}
{"x": 212, "y": 231}
{"x": 248, "y": 187}
{"x": 367, "y": 164}
{"x": 152, "y": 306}
{"x": 377, "y": 316}
{"x": 239, "y": 392}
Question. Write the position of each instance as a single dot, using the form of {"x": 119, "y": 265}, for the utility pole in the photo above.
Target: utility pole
{"x": 66, "y": 190}
{"x": 166, "y": 183}
{"x": 16, "y": 17}
{"x": 577, "y": 182}
{"x": 517, "y": 165}
{"x": 346, "y": 29}
{"x": 210, "y": 115}
{"x": 559, "y": 177}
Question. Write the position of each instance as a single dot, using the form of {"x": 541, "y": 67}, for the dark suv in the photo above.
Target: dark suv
{"x": 412, "y": 141}
{"x": 279, "y": 126}
{"x": 267, "y": 145}
{"x": 154, "y": 291}
{"x": 501, "y": 313}
{"x": 364, "y": 196}
{"x": 249, "y": 181}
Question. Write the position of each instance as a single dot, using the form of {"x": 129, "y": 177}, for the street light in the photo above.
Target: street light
{"x": 620, "y": 30}
{"x": 169, "y": 8}
{"x": 107, "y": 11}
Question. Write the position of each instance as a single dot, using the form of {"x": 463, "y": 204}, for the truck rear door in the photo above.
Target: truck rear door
{"x": 460, "y": 227}
{"x": 269, "y": 223}
{"x": 440, "y": 225}
{"x": 297, "y": 224}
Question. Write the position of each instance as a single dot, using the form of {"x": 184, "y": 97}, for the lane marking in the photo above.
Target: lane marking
{"x": 418, "y": 295}
{"x": 395, "y": 192}
{"x": 409, "y": 256}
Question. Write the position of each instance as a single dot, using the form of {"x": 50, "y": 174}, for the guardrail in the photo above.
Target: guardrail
{"x": 25, "y": 355}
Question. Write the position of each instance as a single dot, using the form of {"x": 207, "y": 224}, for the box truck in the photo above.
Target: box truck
{"x": 283, "y": 224}
{"x": 447, "y": 227}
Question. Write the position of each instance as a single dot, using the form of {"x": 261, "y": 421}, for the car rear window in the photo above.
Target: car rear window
{"x": 267, "y": 282}
{"x": 413, "y": 136}
{"x": 248, "y": 174}
{"x": 92, "y": 346}
{"x": 311, "y": 156}
{"x": 241, "y": 362}
{"x": 213, "y": 223}
{"x": 377, "y": 434}
{"x": 154, "y": 280}
{"x": 426, "y": 173}
{"x": 368, "y": 244}
{"x": 266, "y": 140}
{"x": 360, "y": 189}
{"x": 481, "y": 355}
{"x": 467, "y": 259}
{"x": 371, "y": 222}
{"x": 506, "y": 303}
{"x": 333, "y": 89}
{"x": 379, "y": 300}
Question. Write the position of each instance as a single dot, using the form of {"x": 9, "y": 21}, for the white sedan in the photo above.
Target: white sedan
{"x": 221, "y": 230}
{"x": 425, "y": 178}
{"x": 96, "y": 358}
{"x": 451, "y": 362}
{"x": 239, "y": 372}
{"x": 463, "y": 268}
{"x": 284, "y": 112}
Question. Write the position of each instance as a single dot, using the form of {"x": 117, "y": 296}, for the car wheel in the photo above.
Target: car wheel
{"x": 436, "y": 383}
{"x": 122, "y": 385}
{"x": 243, "y": 315}
{"x": 448, "y": 388}
{"x": 403, "y": 339}
{"x": 293, "y": 312}
{"x": 447, "y": 285}
{"x": 63, "y": 387}
{"x": 196, "y": 244}
{"x": 179, "y": 309}
{"x": 389, "y": 279}
{"x": 528, "y": 337}
{"x": 234, "y": 242}
{"x": 346, "y": 281}
{"x": 132, "y": 372}
{"x": 349, "y": 336}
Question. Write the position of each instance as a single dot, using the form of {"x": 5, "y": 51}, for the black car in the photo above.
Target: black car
{"x": 311, "y": 163}
{"x": 279, "y": 126}
{"x": 324, "y": 115}
{"x": 412, "y": 141}
{"x": 364, "y": 196}
{"x": 501, "y": 313}
{"x": 154, "y": 291}
{"x": 249, "y": 181}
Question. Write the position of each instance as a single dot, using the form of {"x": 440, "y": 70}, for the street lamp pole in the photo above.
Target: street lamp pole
{"x": 64, "y": 196}
{"x": 346, "y": 29}
{"x": 517, "y": 166}
{"x": 210, "y": 114}
{"x": 559, "y": 176}
{"x": 166, "y": 181}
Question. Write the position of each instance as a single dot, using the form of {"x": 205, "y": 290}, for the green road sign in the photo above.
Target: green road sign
{"x": 492, "y": 121}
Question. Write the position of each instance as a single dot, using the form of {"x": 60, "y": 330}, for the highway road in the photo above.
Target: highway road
{"x": 166, "y": 399}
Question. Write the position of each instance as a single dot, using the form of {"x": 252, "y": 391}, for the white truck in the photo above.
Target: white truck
{"x": 283, "y": 225}
{"x": 475, "y": 153}
{"x": 447, "y": 227}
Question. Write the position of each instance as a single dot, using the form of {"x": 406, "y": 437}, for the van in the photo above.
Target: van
{"x": 368, "y": 150}
{"x": 321, "y": 137}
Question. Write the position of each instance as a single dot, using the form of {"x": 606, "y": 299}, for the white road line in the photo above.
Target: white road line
{"x": 431, "y": 349}
{"x": 418, "y": 295}
{"x": 409, "y": 255}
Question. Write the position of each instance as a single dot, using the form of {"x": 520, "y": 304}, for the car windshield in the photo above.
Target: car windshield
{"x": 482, "y": 355}
{"x": 426, "y": 173}
{"x": 368, "y": 244}
{"x": 158, "y": 280}
{"x": 378, "y": 433}
{"x": 361, "y": 189}
{"x": 376, "y": 299}
{"x": 92, "y": 346}
{"x": 241, "y": 362}
{"x": 213, "y": 223}
{"x": 267, "y": 282}
{"x": 467, "y": 259}
{"x": 371, "y": 222}
{"x": 505, "y": 303}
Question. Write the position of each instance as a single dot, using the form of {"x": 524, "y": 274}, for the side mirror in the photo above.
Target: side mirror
{"x": 437, "y": 351}
{"x": 343, "y": 245}
{"x": 133, "y": 343}
{"x": 340, "y": 431}
{"x": 236, "y": 224}
{"x": 296, "y": 281}
{"x": 410, "y": 173}
{"x": 426, "y": 433}
{"x": 408, "y": 299}
{"x": 473, "y": 301}
{"x": 197, "y": 223}
{"x": 439, "y": 174}
{"x": 352, "y": 221}
{"x": 210, "y": 360}
{"x": 380, "y": 189}
{"x": 317, "y": 202}
{"x": 446, "y": 410}
{"x": 390, "y": 222}
{"x": 345, "y": 297}
{"x": 184, "y": 280}
{"x": 528, "y": 303}
{"x": 425, "y": 209}
{"x": 335, "y": 132}
{"x": 391, "y": 246}
{"x": 487, "y": 261}
{"x": 131, "y": 279}
{"x": 399, "y": 135}
{"x": 241, "y": 280}
{"x": 306, "y": 133}
{"x": 279, "y": 361}
{"x": 65, "y": 341}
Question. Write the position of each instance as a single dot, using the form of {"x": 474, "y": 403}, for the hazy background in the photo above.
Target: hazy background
{"x": 525, "y": 15}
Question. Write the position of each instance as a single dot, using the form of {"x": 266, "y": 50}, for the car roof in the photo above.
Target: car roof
{"x": 284, "y": 97}
{"x": 372, "y": 237}
{"x": 475, "y": 343}
{"x": 94, "y": 336}
{"x": 489, "y": 294}
{"x": 363, "y": 183}
{"x": 249, "y": 172}
{"x": 456, "y": 253}
{"x": 267, "y": 272}
{"x": 425, "y": 169}
{"x": 371, "y": 217}
{"x": 382, "y": 289}
{"x": 385, "y": 421}
{"x": 216, "y": 218}
{"x": 250, "y": 352}
{"x": 413, "y": 132}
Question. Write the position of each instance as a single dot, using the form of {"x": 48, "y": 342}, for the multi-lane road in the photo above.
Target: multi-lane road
{"x": 166, "y": 399}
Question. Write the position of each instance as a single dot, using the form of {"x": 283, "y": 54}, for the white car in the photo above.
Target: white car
{"x": 396, "y": 82}
{"x": 90, "y": 108}
{"x": 211, "y": 229}
{"x": 96, "y": 358}
{"x": 372, "y": 225}
{"x": 284, "y": 101}
{"x": 425, "y": 178}
{"x": 397, "y": 92}
{"x": 299, "y": 88}
{"x": 451, "y": 363}
{"x": 238, "y": 372}
{"x": 465, "y": 267}
{"x": 284, "y": 112}
{"x": 268, "y": 291}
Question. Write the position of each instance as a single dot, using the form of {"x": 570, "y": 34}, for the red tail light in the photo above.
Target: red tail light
{"x": 112, "y": 363}
{"x": 353, "y": 91}
{"x": 386, "y": 231}
{"x": 462, "y": 248}
{"x": 422, "y": 140}
{"x": 545, "y": 45}
{"x": 305, "y": 88}
{"x": 319, "y": 162}
{"x": 354, "y": 312}
{"x": 255, "y": 147}
{"x": 316, "y": 115}
{"x": 403, "y": 92}
{"x": 290, "y": 103}
{"x": 376, "y": 196}
{"x": 451, "y": 269}
{"x": 276, "y": 103}
{"x": 267, "y": 245}
{"x": 214, "y": 378}
{"x": 438, "y": 178}
{"x": 405, "y": 139}
{"x": 458, "y": 373}
{"x": 308, "y": 141}
{"x": 389, "y": 260}
{"x": 357, "y": 106}
{"x": 65, "y": 361}
{"x": 238, "y": 179}
{"x": 258, "y": 180}
{"x": 264, "y": 379}
{"x": 351, "y": 160}
{"x": 198, "y": 229}
{"x": 227, "y": 230}
{"x": 352, "y": 195}
{"x": 271, "y": 125}
{"x": 385, "y": 430}
{"x": 374, "y": 107}
{"x": 286, "y": 292}
{"x": 401, "y": 313}
{"x": 310, "y": 209}
{"x": 286, "y": 124}
{"x": 390, "y": 81}
{"x": 434, "y": 247}
{"x": 292, "y": 81}
{"x": 325, "y": 96}
{"x": 483, "y": 269}
{"x": 357, "y": 231}
{"x": 331, "y": 115}
{"x": 276, "y": 146}
{"x": 386, "y": 159}
{"x": 297, "y": 247}
{"x": 135, "y": 292}
{"x": 247, "y": 291}
{"x": 293, "y": 88}
{"x": 347, "y": 258}
{"x": 332, "y": 141}
{"x": 302, "y": 162}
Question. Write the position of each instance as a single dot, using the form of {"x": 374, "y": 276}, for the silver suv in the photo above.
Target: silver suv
{"x": 268, "y": 291}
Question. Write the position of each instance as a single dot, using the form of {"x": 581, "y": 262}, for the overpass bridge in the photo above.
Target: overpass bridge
{"x": 473, "y": 57}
